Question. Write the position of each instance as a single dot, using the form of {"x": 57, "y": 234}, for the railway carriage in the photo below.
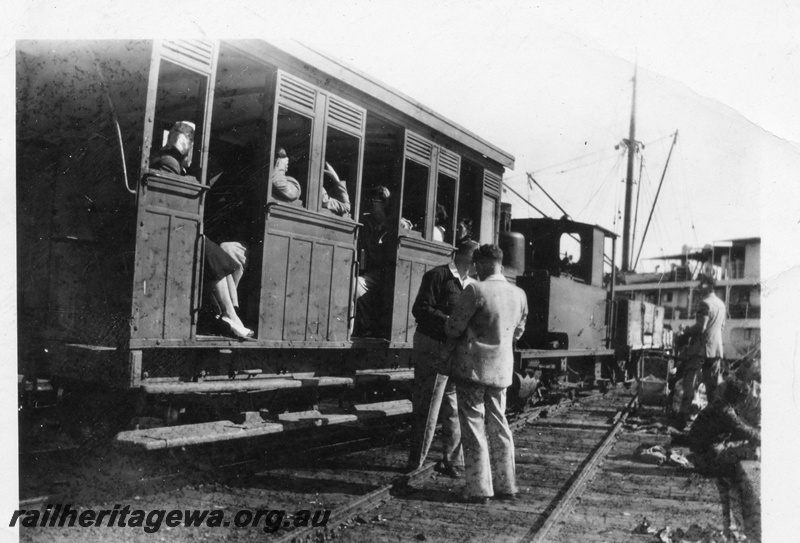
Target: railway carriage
{"x": 110, "y": 263}
{"x": 110, "y": 252}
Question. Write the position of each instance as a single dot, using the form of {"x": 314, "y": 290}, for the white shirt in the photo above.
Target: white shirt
{"x": 463, "y": 280}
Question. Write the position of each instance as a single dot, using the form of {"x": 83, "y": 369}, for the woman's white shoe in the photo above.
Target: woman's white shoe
{"x": 238, "y": 330}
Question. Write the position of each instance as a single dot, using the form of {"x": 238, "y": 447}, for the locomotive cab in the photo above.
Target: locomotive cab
{"x": 563, "y": 278}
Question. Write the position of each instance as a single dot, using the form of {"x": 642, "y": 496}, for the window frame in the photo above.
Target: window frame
{"x": 448, "y": 164}
{"x": 173, "y": 51}
{"x": 304, "y": 98}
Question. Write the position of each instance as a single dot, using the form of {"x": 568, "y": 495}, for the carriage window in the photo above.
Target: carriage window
{"x": 383, "y": 160}
{"x": 469, "y": 199}
{"x": 487, "y": 220}
{"x": 181, "y": 96}
{"x": 415, "y": 196}
{"x": 569, "y": 250}
{"x": 341, "y": 156}
{"x": 292, "y": 141}
{"x": 445, "y": 209}
{"x": 236, "y": 162}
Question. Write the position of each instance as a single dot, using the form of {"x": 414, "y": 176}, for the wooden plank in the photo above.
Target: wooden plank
{"x": 303, "y": 419}
{"x": 321, "y": 283}
{"x": 341, "y": 294}
{"x": 394, "y": 532}
{"x": 182, "y": 247}
{"x": 383, "y": 409}
{"x": 233, "y": 385}
{"x": 634, "y": 485}
{"x": 297, "y": 289}
{"x": 151, "y": 289}
{"x": 370, "y": 478}
{"x": 403, "y": 299}
{"x": 598, "y": 501}
{"x": 193, "y": 434}
{"x": 326, "y": 381}
{"x": 628, "y": 519}
{"x": 566, "y": 533}
{"x": 535, "y": 446}
{"x": 553, "y": 456}
{"x": 412, "y": 514}
{"x": 385, "y": 375}
{"x": 274, "y": 281}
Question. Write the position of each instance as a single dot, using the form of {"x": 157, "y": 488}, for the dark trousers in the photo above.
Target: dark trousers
{"x": 700, "y": 369}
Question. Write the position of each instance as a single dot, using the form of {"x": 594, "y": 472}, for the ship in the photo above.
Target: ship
{"x": 736, "y": 266}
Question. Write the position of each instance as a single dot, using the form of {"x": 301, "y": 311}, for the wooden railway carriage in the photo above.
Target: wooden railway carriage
{"x": 110, "y": 252}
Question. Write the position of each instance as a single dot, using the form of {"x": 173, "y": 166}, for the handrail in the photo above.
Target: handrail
{"x": 116, "y": 121}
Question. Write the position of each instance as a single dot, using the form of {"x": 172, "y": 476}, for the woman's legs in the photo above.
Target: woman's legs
{"x": 228, "y": 312}
{"x": 238, "y": 252}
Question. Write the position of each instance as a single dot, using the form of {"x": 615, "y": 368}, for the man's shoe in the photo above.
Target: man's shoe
{"x": 507, "y": 497}
{"x": 448, "y": 469}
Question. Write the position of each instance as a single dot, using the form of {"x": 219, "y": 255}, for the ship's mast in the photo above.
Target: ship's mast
{"x": 626, "y": 229}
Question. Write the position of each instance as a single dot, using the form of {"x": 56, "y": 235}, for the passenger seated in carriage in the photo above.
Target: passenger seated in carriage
{"x": 222, "y": 270}
{"x": 441, "y": 221}
{"x": 376, "y": 243}
{"x": 334, "y": 193}
{"x": 463, "y": 231}
{"x": 285, "y": 189}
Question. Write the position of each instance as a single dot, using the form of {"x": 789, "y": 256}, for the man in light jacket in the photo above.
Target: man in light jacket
{"x": 489, "y": 316}
{"x": 705, "y": 351}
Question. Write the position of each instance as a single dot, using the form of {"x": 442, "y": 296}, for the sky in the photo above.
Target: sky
{"x": 550, "y": 82}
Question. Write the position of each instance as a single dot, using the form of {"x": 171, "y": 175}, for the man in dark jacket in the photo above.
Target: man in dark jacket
{"x": 719, "y": 437}
{"x": 440, "y": 289}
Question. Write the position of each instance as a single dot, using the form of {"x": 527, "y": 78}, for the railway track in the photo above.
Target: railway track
{"x": 579, "y": 478}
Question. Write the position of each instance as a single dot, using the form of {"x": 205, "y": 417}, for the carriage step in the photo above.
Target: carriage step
{"x": 302, "y": 419}
{"x": 254, "y": 380}
{"x": 383, "y": 409}
{"x": 168, "y": 437}
{"x": 232, "y": 385}
{"x": 386, "y": 375}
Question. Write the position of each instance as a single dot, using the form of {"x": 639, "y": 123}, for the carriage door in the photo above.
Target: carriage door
{"x": 170, "y": 212}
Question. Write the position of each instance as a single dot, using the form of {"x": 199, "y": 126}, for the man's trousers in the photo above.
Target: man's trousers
{"x": 488, "y": 462}
{"x": 699, "y": 369}
{"x": 432, "y": 393}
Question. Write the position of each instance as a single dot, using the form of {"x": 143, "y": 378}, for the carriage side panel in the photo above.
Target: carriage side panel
{"x": 274, "y": 287}
{"x": 308, "y": 264}
{"x": 168, "y": 234}
{"x": 414, "y": 258}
